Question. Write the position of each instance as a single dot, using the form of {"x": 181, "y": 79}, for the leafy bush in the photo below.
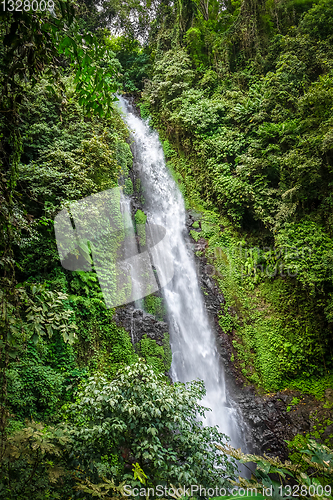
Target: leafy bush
{"x": 33, "y": 464}
{"x": 34, "y": 390}
{"x": 141, "y": 418}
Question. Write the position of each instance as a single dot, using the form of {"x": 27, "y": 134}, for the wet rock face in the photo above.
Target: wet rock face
{"x": 268, "y": 422}
{"x": 276, "y": 419}
{"x": 139, "y": 323}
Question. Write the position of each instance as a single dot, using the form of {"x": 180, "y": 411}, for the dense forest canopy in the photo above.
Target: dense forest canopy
{"x": 241, "y": 93}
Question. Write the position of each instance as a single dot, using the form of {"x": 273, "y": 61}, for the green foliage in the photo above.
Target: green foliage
{"x": 33, "y": 463}
{"x": 101, "y": 490}
{"x": 124, "y": 156}
{"x": 46, "y": 314}
{"x": 317, "y": 22}
{"x": 101, "y": 344}
{"x": 308, "y": 253}
{"x": 34, "y": 390}
{"x": 32, "y": 43}
{"x": 310, "y": 469}
{"x": 66, "y": 159}
{"x": 314, "y": 386}
{"x": 96, "y": 77}
{"x": 154, "y": 305}
{"x": 172, "y": 76}
{"x": 195, "y": 235}
{"x": 128, "y": 187}
{"x": 294, "y": 402}
{"x": 140, "y": 219}
{"x": 167, "y": 357}
{"x": 32, "y": 40}
{"x": 144, "y": 419}
{"x": 159, "y": 357}
{"x": 62, "y": 153}
{"x": 144, "y": 111}
{"x": 226, "y": 322}
{"x": 168, "y": 149}
{"x": 134, "y": 59}
{"x": 139, "y": 474}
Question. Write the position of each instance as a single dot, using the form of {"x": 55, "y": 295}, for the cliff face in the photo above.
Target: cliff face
{"x": 139, "y": 323}
{"x": 271, "y": 418}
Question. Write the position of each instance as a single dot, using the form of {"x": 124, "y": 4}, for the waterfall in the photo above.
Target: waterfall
{"x": 193, "y": 343}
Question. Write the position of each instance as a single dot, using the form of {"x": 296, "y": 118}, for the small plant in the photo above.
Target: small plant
{"x": 140, "y": 221}
{"x": 128, "y": 187}
{"x": 293, "y": 402}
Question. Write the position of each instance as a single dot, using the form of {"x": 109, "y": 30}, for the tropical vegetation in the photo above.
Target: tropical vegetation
{"x": 241, "y": 93}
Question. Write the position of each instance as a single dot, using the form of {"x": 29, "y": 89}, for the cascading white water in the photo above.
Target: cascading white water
{"x": 193, "y": 344}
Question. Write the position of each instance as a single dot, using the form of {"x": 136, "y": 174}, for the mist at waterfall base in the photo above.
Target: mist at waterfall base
{"x": 193, "y": 343}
